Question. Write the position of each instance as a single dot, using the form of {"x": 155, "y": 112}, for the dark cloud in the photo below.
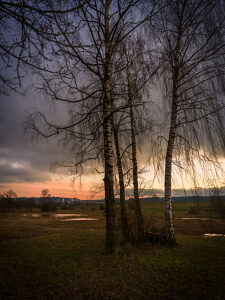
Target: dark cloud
{"x": 22, "y": 160}
{"x": 18, "y": 172}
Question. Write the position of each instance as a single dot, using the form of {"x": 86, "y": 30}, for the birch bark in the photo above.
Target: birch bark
{"x": 138, "y": 212}
{"x": 172, "y": 131}
{"x": 125, "y": 228}
{"x": 111, "y": 226}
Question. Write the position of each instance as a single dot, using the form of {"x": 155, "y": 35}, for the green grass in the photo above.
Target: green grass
{"x": 44, "y": 258}
{"x": 180, "y": 209}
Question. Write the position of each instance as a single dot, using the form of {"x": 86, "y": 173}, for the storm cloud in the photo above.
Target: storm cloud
{"x": 21, "y": 159}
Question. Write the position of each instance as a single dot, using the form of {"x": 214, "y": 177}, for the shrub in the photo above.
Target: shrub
{"x": 47, "y": 206}
{"x": 30, "y": 205}
{"x": 131, "y": 205}
{"x": 8, "y": 201}
{"x": 194, "y": 210}
{"x": 217, "y": 205}
{"x": 156, "y": 238}
{"x": 65, "y": 207}
{"x": 102, "y": 206}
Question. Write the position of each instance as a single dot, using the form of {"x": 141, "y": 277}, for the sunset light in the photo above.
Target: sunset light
{"x": 112, "y": 149}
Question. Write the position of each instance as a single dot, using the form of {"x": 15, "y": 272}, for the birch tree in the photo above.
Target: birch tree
{"x": 133, "y": 78}
{"x": 125, "y": 228}
{"x": 190, "y": 35}
{"x": 83, "y": 45}
{"x": 138, "y": 211}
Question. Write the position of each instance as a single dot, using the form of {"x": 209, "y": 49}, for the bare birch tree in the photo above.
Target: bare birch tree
{"x": 190, "y": 35}
{"x": 134, "y": 73}
{"x": 138, "y": 211}
{"x": 125, "y": 228}
{"x": 83, "y": 45}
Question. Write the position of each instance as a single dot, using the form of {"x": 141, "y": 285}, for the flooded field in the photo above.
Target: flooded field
{"x": 61, "y": 255}
{"x": 69, "y": 215}
{"x": 80, "y": 219}
{"x": 213, "y": 234}
{"x": 203, "y": 219}
{"x": 31, "y": 215}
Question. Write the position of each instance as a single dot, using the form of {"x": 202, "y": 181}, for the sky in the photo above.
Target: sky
{"x": 25, "y": 164}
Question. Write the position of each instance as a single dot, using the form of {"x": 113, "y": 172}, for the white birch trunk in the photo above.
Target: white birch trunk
{"x": 173, "y": 126}
{"x": 125, "y": 228}
{"x": 111, "y": 227}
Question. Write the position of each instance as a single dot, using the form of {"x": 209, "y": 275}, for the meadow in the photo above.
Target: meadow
{"x": 44, "y": 257}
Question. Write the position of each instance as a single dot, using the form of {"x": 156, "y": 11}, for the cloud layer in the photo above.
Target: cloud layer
{"x": 22, "y": 160}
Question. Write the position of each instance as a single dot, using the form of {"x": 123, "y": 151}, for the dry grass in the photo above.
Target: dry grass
{"x": 44, "y": 258}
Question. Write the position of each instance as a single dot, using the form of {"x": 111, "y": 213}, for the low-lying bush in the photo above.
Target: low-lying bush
{"x": 66, "y": 207}
{"x": 102, "y": 206}
{"x": 47, "y": 206}
{"x": 194, "y": 210}
{"x": 217, "y": 206}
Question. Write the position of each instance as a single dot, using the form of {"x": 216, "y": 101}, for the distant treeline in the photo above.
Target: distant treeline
{"x": 152, "y": 199}
{"x": 184, "y": 198}
{"x": 8, "y": 204}
{"x": 14, "y": 205}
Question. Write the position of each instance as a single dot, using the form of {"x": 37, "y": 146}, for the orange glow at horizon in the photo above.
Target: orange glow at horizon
{"x": 92, "y": 186}
{"x": 82, "y": 191}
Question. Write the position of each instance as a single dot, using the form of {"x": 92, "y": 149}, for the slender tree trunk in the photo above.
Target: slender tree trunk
{"x": 111, "y": 227}
{"x": 169, "y": 153}
{"x": 125, "y": 228}
{"x": 168, "y": 171}
{"x": 138, "y": 212}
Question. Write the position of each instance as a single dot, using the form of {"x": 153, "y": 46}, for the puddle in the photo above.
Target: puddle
{"x": 80, "y": 219}
{"x": 69, "y": 215}
{"x": 31, "y": 215}
{"x": 213, "y": 234}
{"x": 204, "y": 219}
{"x": 56, "y": 215}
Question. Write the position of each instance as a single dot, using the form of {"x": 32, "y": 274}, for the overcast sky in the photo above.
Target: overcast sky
{"x": 25, "y": 163}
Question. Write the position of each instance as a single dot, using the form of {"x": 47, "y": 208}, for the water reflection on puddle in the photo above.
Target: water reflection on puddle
{"x": 56, "y": 215}
{"x": 80, "y": 219}
{"x": 204, "y": 219}
{"x": 31, "y": 215}
{"x": 213, "y": 234}
{"x": 69, "y": 215}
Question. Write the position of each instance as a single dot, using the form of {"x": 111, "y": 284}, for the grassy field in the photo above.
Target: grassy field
{"x": 43, "y": 257}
